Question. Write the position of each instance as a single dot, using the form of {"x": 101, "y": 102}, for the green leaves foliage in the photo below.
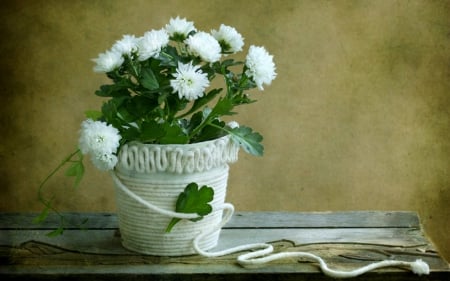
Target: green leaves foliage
{"x": 148, "y": 79}
{"x": 250, "y": 141}
{"x": 193, "y": 200}
{"x": 120, "y": 88}
{"x": 143, "y": 106}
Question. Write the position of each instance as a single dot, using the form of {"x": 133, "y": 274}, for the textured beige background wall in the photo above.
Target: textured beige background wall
{"x": 358, "y": 117}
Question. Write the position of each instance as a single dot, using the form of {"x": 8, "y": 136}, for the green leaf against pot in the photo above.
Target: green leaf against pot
{"x": 250, "y": 141}
{"x": 193, "y": 200}
{"x": 173, "y": 135}
{"x": 130, "y": 133}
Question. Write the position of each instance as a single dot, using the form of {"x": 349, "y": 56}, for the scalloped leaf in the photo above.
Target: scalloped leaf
{"x": 193, "y": 200}
{"x": 250, "y": 141}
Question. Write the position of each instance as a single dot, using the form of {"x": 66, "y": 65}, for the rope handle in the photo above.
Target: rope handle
{"x": 152, "y": 207}
{"x": 262, "y": 253}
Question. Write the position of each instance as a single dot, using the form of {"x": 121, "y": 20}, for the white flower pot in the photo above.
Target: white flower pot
{"x": 158, "y": 174}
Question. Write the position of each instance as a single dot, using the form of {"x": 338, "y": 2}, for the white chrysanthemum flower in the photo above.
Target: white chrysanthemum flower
{"x": 179, "y": 28}
{"x": 104, "y": 161}
{"x": 189, "y": 82}
{"x": 260, "y": 66}
{"x": 205, "y": 46}
{"x": 97, "y": 137}
{"x": 126, "y": 46}
{"x": 108, "y": 61}
{"x": 151, "y": 43}
{"x": 229, "y": 39}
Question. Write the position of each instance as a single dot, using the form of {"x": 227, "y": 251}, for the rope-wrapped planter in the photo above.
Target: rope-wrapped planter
{"x": 148, "y": 179}
{"x": 152, "y": 174}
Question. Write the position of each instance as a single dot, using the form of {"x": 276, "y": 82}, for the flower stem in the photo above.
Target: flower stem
{"x": 200, "y": 127}
{"x": 219, "y": 127}
{"x": 46, "y": 202}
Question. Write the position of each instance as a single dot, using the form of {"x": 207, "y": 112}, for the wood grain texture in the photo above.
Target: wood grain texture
{"x": 345, "y": 240}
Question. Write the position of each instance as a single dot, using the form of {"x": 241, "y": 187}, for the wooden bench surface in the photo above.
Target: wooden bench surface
{"x": 346, "y": 240}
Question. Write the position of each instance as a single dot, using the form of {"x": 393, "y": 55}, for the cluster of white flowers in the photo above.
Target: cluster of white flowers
{"x": 199, "y": 52}
{"x": 101, "y": 141}
{"x": 189, "y": 82}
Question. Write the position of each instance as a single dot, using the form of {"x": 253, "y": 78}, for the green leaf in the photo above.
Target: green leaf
{"x": 76, "y": 170}
{"x": 42, "y": 216}
{"x": 139, "y": 106}
{"x": 196, "y": 119}
{"x": 223, "y": 107}
{"x": 56, "y": 232}
{"x": 148, "y": 79}
{"x": 193, "y": 200}
{"x": 230, "y": 62}
{"x": 124, "y": 114}
{"x": 250, "y": 141}
{"x": 93, "y": 114}
{"x": 110, "y": 110}
{"x": 211, "y": 132}
{"x": 203, "y": 101}
{"x": 174, "y": 135}
{"x": 130, "y": 133}
{"x": 119, "y": 89}
{"x": 151, "y": 130}
{"x": 169, "y": 56}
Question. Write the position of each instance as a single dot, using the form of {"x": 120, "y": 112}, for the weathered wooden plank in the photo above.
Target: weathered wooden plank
{"x": 25, "y": 220}
{"x": 359, "y": 219}
{"x": 45, "y": 254}
{"x": 105, "y": 241}
{"x": 346, "y": 240}
{"x": 36, "y": 257}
